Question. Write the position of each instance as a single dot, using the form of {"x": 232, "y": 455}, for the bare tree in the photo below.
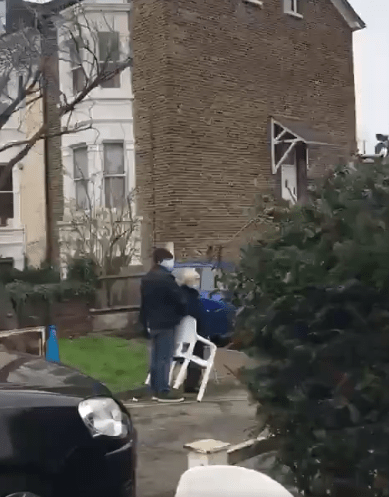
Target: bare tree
{"x": 25, "y": 69}
{"x": 108, "y": 237}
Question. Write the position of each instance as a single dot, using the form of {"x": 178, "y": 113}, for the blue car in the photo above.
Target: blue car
{"x": 221, "y": 313}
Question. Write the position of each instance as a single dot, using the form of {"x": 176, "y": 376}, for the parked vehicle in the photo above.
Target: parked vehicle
{"x": 61, "y": 433}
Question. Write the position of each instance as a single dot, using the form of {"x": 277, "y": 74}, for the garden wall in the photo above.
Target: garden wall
{"x": 118, "y": 303}
{"x": 71, "y": 317}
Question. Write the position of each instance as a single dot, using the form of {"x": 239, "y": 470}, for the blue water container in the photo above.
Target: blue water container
{"x": 52, "y": 347}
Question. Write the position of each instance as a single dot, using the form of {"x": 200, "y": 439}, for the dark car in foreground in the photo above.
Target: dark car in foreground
{"x": 61, "y": 433}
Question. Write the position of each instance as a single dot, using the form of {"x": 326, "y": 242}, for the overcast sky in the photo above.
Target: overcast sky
{"x": 371, "y": 51}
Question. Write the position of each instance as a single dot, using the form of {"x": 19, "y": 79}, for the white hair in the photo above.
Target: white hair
{"x": 187, "y": 276}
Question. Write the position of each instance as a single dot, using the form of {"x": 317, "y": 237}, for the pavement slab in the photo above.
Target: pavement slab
{"x": 226, "y": 414}
{"x": 163, "y": 430}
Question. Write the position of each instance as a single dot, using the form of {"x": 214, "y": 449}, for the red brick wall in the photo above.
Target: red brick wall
{"x": 214, "y": 72}
{"x": 152, "y": 82}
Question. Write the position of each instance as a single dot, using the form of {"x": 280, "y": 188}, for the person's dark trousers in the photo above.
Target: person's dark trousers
{"x": 162, "y": 349}
{"x": 192, "y": 381}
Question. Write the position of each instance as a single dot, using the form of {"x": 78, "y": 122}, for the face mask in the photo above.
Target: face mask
{"x": 168, "y": 264}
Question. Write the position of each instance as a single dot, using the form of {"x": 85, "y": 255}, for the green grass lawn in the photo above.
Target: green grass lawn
{"x": 118, "y": 363}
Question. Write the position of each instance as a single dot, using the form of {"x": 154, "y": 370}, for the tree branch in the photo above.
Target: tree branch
{"x": 64, "y": 108}
{"x": 66, "y": 131}
{"x": 19, "y": 156}
{"x": 100, "y": 78}
{"x": 22, "y": 95}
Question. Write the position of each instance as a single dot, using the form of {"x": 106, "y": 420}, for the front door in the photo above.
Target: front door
{"x": 289, "y": 182}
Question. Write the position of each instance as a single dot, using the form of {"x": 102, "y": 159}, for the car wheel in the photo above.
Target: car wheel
{"x": 24, "y": 485}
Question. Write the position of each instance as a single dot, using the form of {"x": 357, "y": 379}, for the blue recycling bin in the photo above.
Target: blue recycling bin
{"x": 52, "y": 347}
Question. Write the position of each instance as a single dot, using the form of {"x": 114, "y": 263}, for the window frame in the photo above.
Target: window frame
{"x": 115, "y": 82}
{"x": 116, "y": 175}
{"x": 8, "y": 192}
{"x": 295, "y": 11}
{"x": 293, "y": 196}
{"x": 76, "y": 66}
{"x": 76, "y": 180}
{"x": 258, "y": 3}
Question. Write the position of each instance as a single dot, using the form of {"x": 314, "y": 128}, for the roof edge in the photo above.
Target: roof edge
{"x": 349, "y": 15}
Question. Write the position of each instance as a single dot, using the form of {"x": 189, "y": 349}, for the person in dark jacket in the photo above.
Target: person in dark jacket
{"x": 163, "y": 305}
{"x": 189, "y": 279}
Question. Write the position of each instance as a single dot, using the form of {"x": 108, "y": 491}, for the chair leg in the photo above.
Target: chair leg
{"x": 171, "y": 372}
{"x": 182, "y": 374}
{"x": 213, "y": 354}
{"x": 204, "y": 383}
{"x": 206, "y": 375}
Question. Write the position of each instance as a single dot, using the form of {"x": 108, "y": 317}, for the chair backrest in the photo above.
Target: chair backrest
{"x": 228, "y": 481}
{"x": 186, "y": 331}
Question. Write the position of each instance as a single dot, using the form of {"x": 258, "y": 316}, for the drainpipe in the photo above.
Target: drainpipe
{"x": 52, "y": 145}
{"x": 49, "y": 222}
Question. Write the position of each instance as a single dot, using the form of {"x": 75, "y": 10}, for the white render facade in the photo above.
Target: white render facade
{"x": 100, "y": 160}
{"x": 12, "y": 243}
{"x": 106, "y": 149}
{"x": 22, "y": 198}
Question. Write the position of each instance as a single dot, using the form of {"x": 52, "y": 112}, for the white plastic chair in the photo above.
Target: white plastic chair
{"x": 186, "y": 339}
{"x": 228, "y": 481}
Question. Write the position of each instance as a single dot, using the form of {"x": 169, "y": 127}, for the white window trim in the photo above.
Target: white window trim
{"x": 295, "y": 14}
{"x": 258, "y": 3}
{"x": 119, "y": 75}
{"x": 76, "y": 65}
{"x": 293, "y": 197}
{"x": 76, "y": 180}
{"x": 292, "y": 12}
{"x": 13, "y": 222}
{"x": 73, "y": 71}
{"x": 276, "y": 139}
{"x": 74, "y": 149}
{"x": 118, "y": 175}
{"x": 121, "y": 175}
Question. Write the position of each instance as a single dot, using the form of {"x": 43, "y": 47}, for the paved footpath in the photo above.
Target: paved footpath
{"x": 164, "y": 429}
{"x": 225, "y": 414}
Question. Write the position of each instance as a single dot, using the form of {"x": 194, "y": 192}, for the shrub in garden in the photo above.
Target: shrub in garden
{"x": 316, "y": 298}
{"x": 35, "y": 290}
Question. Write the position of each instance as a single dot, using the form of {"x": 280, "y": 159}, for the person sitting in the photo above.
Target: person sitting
{"x": 189, "y": 279}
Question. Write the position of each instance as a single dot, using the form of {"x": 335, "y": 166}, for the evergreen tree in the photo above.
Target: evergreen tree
{"x": 316, "y": 297}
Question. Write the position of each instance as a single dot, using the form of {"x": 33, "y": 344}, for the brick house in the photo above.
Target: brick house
{"x": 233, "y": 98}
{"x": 230, "y": 98}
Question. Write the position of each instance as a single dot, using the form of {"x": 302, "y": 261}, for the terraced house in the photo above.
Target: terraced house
{"x": 232, "y": 98}
{"x": 225, "y": 99}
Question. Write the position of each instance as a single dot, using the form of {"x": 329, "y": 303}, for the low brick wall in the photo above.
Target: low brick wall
{"x": 71, "y": 317}
{"x": 29, "y": 343}
{"x": 126, "y": 323}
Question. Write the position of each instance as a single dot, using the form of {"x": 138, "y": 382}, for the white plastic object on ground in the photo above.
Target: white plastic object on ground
{"x": 228, "y": 481}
